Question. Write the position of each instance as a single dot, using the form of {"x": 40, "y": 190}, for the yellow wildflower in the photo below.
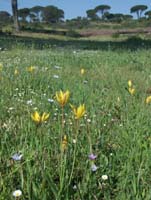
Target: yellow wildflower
{"x": 118, "y": 99}
{"x": 129, "y": 83}
{"x": 82, "y": 71}
{"x": 79, "y": 111}
{"x": 64, "y": 143}
{"x": 1, "y": 66}
{"x": 148, "y": 100}
{"x": 62, "y": 97}
{"x": 39, "y": 119}
{"x": 131, "y": 90}
{"x": 16, "y": 72}
{"x": 30, "y": 69}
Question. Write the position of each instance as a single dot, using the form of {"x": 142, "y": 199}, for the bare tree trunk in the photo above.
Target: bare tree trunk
{"x": 15, "y": 14}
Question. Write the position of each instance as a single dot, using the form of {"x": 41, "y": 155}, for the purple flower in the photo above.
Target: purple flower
{"x": 17, "y": 156}
{"x": 93, "y": 167}
{"x": 92, "y": 156}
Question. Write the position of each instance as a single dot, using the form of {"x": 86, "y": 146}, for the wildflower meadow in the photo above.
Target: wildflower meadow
{"x": 75, "y": 124}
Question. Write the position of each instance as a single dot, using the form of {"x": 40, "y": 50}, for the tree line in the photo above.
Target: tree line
{"x": 35, "y": 14}
{"x": 102, "y": 11}
{"x": 52, "y": 14}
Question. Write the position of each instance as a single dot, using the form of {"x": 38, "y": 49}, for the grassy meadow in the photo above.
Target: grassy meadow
{"x": 103, "y": 153}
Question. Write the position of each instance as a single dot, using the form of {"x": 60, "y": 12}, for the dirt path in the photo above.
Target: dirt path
{"x": 104, "y": 32}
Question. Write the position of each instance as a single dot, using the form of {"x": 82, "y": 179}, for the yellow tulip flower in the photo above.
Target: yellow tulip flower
{"x": 62, "y": 97}
{"x": 129, "y": 83}
{"x": 131, "y": 91}
{"x": 79, "y": 111}
{"x": 82, "y": 71}
{"x": 39, "y": 119}
{"x": 30, "y": 69}
{"x": 148, "y": 100}
{"x": 1, "y": 66}
{"x": 16, "y": 72}
{"x": 64, "y": 143}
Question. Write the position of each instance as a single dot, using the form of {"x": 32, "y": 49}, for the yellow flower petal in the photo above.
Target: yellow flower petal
{"x": 82, "y": 71}
{"x": 44, "y": 117}
{"x": 36, "y": 117}
{"x": 78, "y": 112}
{"x": 16, "y": 72}
{"x": 62, "y": 97}
{"x": 148, "y": 100}
{"x": 131, "y": 91}
{"x": 129, "y": 83}
{"x": 64, "y": 142}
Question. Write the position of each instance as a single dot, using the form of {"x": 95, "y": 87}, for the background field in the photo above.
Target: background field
{"x": 116, "y": 126}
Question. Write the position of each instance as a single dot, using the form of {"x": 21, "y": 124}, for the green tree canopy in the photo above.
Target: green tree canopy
{"x": 52, "y": 14}
{"x": 102, "y": 9}
{"x": 91, "y": 14}
{"x": 24, "y": 13}
{"x": 138, "y": 9}
{"x": 148, "y": 13}
{"x": 37, "y": 10}
{"x": 5, "y": 17}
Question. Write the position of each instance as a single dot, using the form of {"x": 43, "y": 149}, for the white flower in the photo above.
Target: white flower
{"x": 82, "y": 125}
{"x": 74, "y": 141}
{"x": 94, "y": 167}
{"x": 29, "y": 102}
{"x": 88, "y": 120}
{"x": 57, "y": 67}
{"x": 85, "y": 81}
{"x": 11, "y": 108}
{"x": 74, "y": 187}
{"x": 17, "y": 157}
{"x": 55, "y": 76}
{"x": 17, "y": 193}
{"x": 50, "y": 100}
{"x": 104, "y": 177}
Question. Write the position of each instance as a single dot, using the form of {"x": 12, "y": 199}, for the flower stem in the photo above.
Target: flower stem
{"x": 74, "y": 153}
{"x": 62, "y": 163}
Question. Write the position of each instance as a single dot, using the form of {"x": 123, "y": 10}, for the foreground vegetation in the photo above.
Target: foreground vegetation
{"x": 104, "y": 153}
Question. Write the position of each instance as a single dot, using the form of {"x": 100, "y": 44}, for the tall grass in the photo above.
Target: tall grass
{"x": 115, "y": 127}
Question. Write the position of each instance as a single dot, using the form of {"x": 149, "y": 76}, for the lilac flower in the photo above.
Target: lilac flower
{"x": 17, "y": 156}
{"x": 92, "y": 156}
{"x": 93, "y": 167}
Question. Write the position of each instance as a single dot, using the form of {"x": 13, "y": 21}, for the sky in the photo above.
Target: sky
{"x": 74, "y": 8}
